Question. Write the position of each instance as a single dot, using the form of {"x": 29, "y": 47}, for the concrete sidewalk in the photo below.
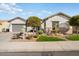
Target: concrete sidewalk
{"x": 39, "y": 46}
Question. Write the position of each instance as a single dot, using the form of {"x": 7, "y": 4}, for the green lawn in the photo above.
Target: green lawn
{"x": 74, "y": 37}
{"x": 46, "y": 38}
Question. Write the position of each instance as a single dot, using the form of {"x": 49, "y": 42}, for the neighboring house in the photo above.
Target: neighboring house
{"x": 17, "y": 24}
{"x": 4, "y": 25}
{"x": 56, "y": 21}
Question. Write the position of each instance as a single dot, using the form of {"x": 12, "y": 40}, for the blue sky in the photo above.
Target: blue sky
{"x": 24, "y": 10}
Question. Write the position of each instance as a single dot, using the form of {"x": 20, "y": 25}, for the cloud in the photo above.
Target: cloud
{"x": 36, "y": 13}
{"x": 10, "y": 8}
{"x": 39, "y": 14}
{"x": 33, "y": 13}
{"x": 46, "y": 12}
{"x": 30, "y": 12}
{"x": 27, "y": 12}
{"x": 43, "y": 12}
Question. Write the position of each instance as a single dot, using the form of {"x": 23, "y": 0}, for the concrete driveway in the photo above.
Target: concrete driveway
{"x": 5, "y": 36}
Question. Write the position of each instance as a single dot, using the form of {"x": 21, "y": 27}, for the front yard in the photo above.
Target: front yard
{"x": 30, "y": 37}
{"x": 73, "y": 37}
{"x": 47, "y": 38}
{"x": 42, "y": 37}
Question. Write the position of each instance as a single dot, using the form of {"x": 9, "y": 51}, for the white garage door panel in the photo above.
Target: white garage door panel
{"x": 17, "y": 27}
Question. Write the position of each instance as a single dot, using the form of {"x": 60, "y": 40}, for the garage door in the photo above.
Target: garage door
{"x": 17, "y": 27}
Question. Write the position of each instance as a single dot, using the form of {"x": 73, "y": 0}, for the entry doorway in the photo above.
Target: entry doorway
{"x": 55, "y": 26}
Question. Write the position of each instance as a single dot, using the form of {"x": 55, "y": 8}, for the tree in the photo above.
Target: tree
{"x": 74, "y": 21}
{"x": 34, "y": 22}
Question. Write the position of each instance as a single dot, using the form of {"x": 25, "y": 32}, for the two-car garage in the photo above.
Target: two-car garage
{"x": 17, "y": 27}
{"x": 17, "y": 24}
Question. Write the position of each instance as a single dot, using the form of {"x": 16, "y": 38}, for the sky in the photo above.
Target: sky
{"x": 41, "y": 10}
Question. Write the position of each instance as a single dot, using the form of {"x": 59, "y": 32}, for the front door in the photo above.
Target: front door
{"x": 55, "y": 26}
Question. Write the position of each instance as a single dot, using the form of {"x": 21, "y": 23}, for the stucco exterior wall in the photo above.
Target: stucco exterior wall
{"x": 42, "y": 26}
{"x": 61, "y": 19}
{"x": 5, "y": 25}
{"x": 10, "y": 28}
{"x": 29, "y": 28}
{"x": 17, "y": 21}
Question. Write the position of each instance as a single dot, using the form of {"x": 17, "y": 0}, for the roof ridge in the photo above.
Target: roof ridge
{"x": 59, "y": 13}
{"x": 17, "y": 18}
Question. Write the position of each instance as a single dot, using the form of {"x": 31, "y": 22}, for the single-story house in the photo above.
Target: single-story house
{"x": 56, "y": 21}
{"x": 16, "y": 24}
{"x": 4, "y": 25}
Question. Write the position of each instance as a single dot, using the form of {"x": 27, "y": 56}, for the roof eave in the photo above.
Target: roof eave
{"x": 54, "y": 15}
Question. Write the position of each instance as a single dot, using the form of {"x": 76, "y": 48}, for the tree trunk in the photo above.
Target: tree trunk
{"x": 33, "y": 29}
{"x": 75, "y": 29}
{"x": 36, "y": 30}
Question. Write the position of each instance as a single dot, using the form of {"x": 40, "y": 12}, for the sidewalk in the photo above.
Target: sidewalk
{"x": 39, "y": 46}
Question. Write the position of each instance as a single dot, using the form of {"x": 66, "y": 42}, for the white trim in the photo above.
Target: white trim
{"x": 10, "y": 28}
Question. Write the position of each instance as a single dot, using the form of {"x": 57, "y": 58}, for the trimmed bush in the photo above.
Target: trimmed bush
{"x": 40, "y": 32}
{"x": 35, "y": 36}
{"x": 46, "y": 38}
{"x": 29, "y": 37}
{"x": 73, "y": 37}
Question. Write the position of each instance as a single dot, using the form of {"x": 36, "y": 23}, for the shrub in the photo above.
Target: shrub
{"x": 40, "y": 32}
{"x": 35, "y": 36}
{"x": 73, "y": 37}
{"x": 29, "y": 37}
{"x": 46, "y": 38}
